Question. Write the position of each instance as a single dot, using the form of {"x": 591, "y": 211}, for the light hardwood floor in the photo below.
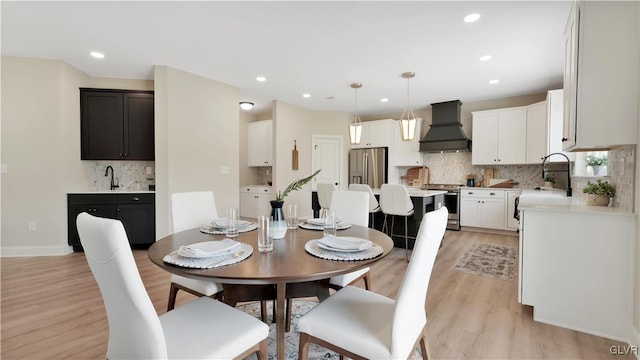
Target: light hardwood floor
{"x": 51, "y": 309}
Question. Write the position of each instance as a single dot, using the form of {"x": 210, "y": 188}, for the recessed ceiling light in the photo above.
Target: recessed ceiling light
{"x": 97, "y": 55}
{"x": 306, "y": 95}
{"x": 471, "y": 18}
{"x": 261, "y": 78}
{"x": 494, "y": 81}
{"x": 485, "y": 57}
{"x": 384, "y": 100}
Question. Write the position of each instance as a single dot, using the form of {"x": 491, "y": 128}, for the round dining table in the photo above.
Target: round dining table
{"x": 289, "y": 264}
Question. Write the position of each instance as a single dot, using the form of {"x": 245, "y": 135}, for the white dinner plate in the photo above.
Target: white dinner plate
{"x": 320, "y": 221}
{"x": 224, "y": 222}
{"x": 207, "y": 249}
{"x": 344, "y": 243}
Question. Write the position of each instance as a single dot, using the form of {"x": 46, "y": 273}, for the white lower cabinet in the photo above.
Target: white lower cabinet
{"x": 488, "y": 208}
{"x": 254, "y": 200}
{"x": 482, "y": 208}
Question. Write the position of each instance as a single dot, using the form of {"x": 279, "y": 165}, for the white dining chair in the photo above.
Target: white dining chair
{"x": 201, "y": 329}
{"x": 374, "y": 205}
{"x": 324, "y": 196}
{"x": 191, "y": 210}
{"x": 361, "y": 324}
{"x": 352, "y": 207}
{"x": 395, "y": 201}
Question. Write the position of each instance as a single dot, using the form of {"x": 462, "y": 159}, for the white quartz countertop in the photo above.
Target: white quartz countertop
{"x": 416, "y": 192}
{"x": 111, "y": 192}
{"x": 556, "y": 200}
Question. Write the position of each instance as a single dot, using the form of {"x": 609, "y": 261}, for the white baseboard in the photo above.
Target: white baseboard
{"x": 26, "y": 251}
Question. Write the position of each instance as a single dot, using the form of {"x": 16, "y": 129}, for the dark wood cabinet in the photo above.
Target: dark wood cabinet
{"x": 116, "y": 124}
{"x": 135, "y": 210}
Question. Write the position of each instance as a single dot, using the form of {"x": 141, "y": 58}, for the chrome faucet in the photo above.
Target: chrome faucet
{"x": 568, "y": 170}
{"x": 114, "y": 185}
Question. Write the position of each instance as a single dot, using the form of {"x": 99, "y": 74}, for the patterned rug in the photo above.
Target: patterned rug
{"x": 495, "y": 261}
{"x": 299, "y": 308}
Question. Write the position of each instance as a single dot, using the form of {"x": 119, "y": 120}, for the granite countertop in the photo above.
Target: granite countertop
{"x": 556, "y": 200}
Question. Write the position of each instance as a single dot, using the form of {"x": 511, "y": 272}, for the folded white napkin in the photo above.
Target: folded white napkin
{"x": 345, "y": 243}
{"x": 320, "y": 221}
{"x": 224, "y": 222}
{"x": 208, "y": 248}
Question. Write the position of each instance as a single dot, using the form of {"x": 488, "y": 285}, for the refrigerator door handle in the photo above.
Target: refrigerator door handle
{"x": 365, "y": 168}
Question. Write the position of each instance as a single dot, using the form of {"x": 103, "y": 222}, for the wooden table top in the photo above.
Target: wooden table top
{"x": 288, "y": 262}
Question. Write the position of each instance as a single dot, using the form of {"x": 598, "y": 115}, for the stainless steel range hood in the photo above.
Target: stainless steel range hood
{"x": 446, "y": 132}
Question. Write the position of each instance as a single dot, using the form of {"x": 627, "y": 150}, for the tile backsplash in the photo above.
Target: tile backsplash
{"x": 452, "y": 168}
{"x": 131, "y": 175}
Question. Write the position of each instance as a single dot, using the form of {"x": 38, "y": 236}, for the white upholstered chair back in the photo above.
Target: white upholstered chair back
{"x": 351, "y": 206}
{"x": 374, "y": 206}
{"x": 409, "y": 314}
{"x": 395, "y": 200}
{"x": 192, "y": 209}
{"x": 135, "y": 331}
{"x": 324, "y": 194}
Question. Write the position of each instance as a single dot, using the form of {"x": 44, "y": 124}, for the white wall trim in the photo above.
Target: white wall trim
{"x": 25, "y": 251}
{"x": 635, "y": 340}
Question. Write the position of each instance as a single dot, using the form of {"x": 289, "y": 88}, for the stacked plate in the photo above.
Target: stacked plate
{"x": 209, "y": 254}
{"x": 219, "y": 226}
{"x": 318, "y": 224}
{"x": 344, "y": 248}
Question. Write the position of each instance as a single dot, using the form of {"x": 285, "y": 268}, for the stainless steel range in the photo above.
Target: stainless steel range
{"x": 451, "y": 201}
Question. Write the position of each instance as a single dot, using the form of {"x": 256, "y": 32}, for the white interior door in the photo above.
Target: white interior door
{"x": 327, "y": 155}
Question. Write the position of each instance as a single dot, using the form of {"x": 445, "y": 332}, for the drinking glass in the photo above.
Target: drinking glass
{"x": 233, "y": 223}
{"x": 265, "y": 239}
{"x": 292, "y": 216}
{"x": 330, "y": 224}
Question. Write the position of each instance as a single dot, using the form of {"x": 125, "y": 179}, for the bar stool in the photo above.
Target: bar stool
{"x": 374, "y": 206}
{"x": 325, "y": 191}
{"x": 395, "y": 201}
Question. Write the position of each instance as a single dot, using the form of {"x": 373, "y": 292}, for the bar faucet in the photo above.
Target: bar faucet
{"x": 568, "y": 170}
{"x": 114, "y": 185}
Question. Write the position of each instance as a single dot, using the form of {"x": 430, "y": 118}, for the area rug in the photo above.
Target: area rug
{"x": 494, "y": 261}
{"x": 300, "y": 307}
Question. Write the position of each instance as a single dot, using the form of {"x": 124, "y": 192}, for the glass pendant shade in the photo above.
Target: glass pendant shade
{"x": 408, "y": 119}
{"x": 355, "y": 128}
{"x": 355, "y": 131}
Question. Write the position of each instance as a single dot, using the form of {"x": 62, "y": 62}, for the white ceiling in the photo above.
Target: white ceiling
{"x": 313, "y": 47}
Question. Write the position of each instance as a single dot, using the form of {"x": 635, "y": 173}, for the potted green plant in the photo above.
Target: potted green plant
{"x": 596, "y": 163}
{"x": 599, "y": 193}
{"x": 278, "y": 223}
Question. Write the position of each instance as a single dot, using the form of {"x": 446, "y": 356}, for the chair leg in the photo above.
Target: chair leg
{"x": 287, "y": 319}
{"x": 393, "y": 225}
{"x": 303, "y": 347}
{"x": 263, "y": 352}
{"x": 424, "y": 348}
{"x": 406, "y": 240}
{"x": 173, "y": 292}
{"x": 367, "y": 280}
{"x": 384, "y": 224}
{"x": 263, "y": 311}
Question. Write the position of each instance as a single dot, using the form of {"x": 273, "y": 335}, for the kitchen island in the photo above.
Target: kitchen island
{"x": 576, "y": 263}
{"x": 424, "y": 201}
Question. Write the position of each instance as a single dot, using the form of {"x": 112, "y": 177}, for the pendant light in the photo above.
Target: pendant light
{"x": 408, "y": 119}
{"x": 355, "y": 128}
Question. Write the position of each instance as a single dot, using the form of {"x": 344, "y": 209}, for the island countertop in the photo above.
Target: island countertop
{"x": 553, "y": 200}
{"x": 416, "y": 192}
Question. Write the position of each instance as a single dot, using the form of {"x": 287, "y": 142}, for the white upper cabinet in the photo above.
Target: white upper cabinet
{"x": 260, "y": 141}
{"x": 536, "y": 146}
{"x": 499, "y": 136}
{"x": 555, "y": 122}
{"x": 376, "y": 133}
{"x": 601, "y": 75}
{"x": 406, "y": 153}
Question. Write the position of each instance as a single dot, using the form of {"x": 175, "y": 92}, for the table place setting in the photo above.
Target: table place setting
{"x": 344, "y": 248}
{"x": 209, "y": 254}
{"x": 319, "y": 224}
{"x": 221, "y": 225}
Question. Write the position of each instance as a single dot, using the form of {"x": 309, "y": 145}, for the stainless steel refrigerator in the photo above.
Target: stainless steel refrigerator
{"x": 368, "y": 166}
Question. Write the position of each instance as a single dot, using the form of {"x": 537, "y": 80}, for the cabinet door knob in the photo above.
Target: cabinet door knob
{"x": 135, "y": 198}
{"x": 492, "y": 193}
{"x": 564, "y": 139}
{"x": 470, "y": 192}
{"x": 120, "y": 154}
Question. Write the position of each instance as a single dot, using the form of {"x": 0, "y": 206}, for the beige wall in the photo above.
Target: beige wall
{"x": 197, "y": 132}
{"x": 41, "y": 148}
